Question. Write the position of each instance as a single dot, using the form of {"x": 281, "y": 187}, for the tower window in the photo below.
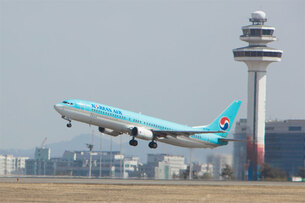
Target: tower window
{"x": 267, "y": 32}
{"x": 257, "y": 53}
{"x": 246, "y": 32}
{"x": 255, "y": 32}
{"x": 294, "y": 128}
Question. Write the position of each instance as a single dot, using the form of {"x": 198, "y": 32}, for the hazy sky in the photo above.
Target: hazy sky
{"x": 168, "y": 59}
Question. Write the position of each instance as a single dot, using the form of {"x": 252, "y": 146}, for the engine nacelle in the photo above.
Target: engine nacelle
{"x": 142, "y": 133}
{"x": 109, "y": 131}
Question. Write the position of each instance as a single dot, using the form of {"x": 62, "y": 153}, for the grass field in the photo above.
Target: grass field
{"x": 62, "y": 192}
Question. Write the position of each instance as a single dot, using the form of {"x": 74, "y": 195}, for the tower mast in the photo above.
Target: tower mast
{"x": 257, "y": 55}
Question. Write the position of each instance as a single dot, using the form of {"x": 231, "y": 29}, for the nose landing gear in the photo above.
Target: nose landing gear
{"x": 69, "y": 125}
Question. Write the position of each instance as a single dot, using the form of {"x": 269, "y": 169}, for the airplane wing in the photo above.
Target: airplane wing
{"x": 163, "y": 133}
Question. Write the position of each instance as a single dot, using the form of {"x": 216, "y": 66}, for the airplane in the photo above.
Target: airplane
{"x": 114, "y": 122}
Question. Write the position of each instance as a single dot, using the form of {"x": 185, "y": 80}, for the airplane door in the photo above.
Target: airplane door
{"x": 93, "y": 117}
{"x": 82, "y": 112}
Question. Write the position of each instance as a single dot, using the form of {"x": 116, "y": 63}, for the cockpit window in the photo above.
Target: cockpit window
{"x": 65, "y": 102}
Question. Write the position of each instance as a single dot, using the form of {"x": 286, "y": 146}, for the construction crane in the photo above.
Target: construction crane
{"x": 43, "y": 142}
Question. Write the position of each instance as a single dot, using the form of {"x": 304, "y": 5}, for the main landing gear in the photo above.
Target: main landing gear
{"x": 153, "y": 145}
{"x": 133, "y": 142}
{"x": 69, "y": 125}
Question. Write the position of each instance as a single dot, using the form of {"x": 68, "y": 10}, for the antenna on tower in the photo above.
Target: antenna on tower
{"x": 90, "y": 147}
{"x": 258, "y": 18}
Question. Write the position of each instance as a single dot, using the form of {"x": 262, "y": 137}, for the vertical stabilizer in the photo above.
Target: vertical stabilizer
{"x": 225, "y": 120}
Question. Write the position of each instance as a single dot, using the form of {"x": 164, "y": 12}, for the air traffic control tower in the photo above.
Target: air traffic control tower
{"x": 257, "y": 55}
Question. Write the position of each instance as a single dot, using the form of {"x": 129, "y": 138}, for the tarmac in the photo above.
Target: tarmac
{"x": 108, "y": 181}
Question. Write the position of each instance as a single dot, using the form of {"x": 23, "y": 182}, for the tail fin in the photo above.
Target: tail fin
{"x": 225, "y": 120}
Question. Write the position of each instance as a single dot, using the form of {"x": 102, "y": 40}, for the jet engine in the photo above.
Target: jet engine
{"x": 109, "y": 131}
{"x": 142, "y": 133}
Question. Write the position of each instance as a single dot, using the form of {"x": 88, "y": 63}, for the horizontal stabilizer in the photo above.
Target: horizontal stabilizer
{"x": 231, "y": 140}
{"x": 162, "y": 133}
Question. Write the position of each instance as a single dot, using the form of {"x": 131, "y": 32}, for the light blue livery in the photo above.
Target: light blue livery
{"x": 114, "y": 121}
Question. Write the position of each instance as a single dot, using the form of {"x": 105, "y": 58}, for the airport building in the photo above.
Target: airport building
{"x": 7, "y": 164}
{"x": 41, "y": 164}
{"x": 219, "y": 161}
{"x": 284, "y": 147}
{"x": 202, "y": 171}
{"x": 12, "y": 165}
{"x": 240, "y": 163}
{"x": 20, "y": 165}
{"x": 169, "y": 167}
{"x": 106, "y": 164}
{"x": 76, "y": 163}
{"x": 131, "y": 167}
{"x": 42, "y": 154}
{"x": 164, "y": 166}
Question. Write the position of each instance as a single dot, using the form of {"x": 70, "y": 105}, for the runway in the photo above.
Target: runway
{"x": 77, "y": 189}
{"x": 107, "y": 181}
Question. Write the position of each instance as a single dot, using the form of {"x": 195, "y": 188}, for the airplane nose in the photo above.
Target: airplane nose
{"x": 57, "y": 107}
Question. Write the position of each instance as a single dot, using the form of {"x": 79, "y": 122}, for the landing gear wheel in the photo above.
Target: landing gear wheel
{"x": 69, "y": 125}
{"x": 133, "y": 142}
{"x": 153, "y": 145}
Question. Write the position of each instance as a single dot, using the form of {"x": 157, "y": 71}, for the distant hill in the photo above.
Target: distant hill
{"x": 141, "y": 151}
{"x": 18, "y": 152}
